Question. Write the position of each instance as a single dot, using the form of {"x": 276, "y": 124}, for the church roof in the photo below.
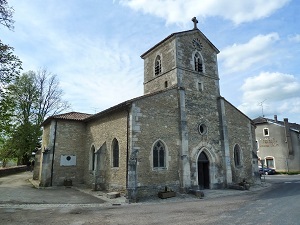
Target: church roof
{"x": 237, "y": 109}
{"x": 176, "y": 34}
{"x": 77, "y": 116}
{"x": 126, "y": 104}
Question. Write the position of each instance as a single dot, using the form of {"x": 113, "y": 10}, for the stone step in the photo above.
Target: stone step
{"x": 113, "y": 195}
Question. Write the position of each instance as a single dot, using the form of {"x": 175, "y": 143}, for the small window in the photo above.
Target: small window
{"x": 115, "y": 146}
{"x": 266, "y": 132}
{"x": 237, "y": 155}
{"x": 159, "y": 155}
{"x": 157, "y": 68}
{"x": 198, "y": 63}
{"x": 166, "y": 84}
{"x": 202, "y": 129}
{"x": 257, "y": 145}
{"x": 200, "y": 87}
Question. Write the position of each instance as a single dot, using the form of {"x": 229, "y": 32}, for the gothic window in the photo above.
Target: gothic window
{"x": 92, "y": 158}
{"x": 159, "y": 153}
{"x": 198, "y": 63}
{"x": 115, "y": 150}
{"x": 157, "y": 65}
{"x": 237, "y": 155}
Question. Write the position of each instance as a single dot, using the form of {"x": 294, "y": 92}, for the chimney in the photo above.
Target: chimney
{"x": 275, "y": 118}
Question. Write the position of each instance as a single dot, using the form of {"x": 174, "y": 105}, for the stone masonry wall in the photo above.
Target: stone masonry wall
{"x": 156, "y": 118}
{"x": 240, "y": 131}
{"x": 152, "y": 82}
{"x": 70, "y": 138}
{"x": 201, "y": 92}
{"x": 101, "y": 132}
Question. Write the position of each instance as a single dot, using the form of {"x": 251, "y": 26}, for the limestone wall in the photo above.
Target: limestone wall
{"x": 156, "y": 118}
{"x": 167, "y": 53}
{"x": 69, "y": 141}
{"x": 100, "y": 134}
{"x": 241, "y": 132}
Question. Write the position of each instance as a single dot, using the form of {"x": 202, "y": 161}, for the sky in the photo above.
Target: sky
{"x": 94, "y": 47}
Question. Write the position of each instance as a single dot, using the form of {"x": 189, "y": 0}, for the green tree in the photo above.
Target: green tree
{"x": 6, "y": 14}
{"x": 10, "y": 67}
{"x": 34, "y": 95}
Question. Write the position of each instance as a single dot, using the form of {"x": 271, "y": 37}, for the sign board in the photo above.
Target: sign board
{"x": 68, "y": 160}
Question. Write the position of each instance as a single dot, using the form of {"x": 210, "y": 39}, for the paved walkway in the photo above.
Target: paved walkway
{"x": 208, "y": 194}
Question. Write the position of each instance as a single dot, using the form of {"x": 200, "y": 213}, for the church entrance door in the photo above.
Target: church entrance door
{"x": 203, "y": 171}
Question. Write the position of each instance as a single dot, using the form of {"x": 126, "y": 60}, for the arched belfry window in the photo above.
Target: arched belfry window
{"x": 198, "y": 63}
{"x": 237, "y": 155}
{"x": 157, "y": 68}
{"x": 115, "y": 151}
{"x": 159, "y": 155}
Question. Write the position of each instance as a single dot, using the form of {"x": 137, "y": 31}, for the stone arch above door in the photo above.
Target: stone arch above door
{"x": 213, "y": 159}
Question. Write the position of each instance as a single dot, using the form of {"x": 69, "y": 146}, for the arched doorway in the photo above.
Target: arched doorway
{"x": 203, "y": 171}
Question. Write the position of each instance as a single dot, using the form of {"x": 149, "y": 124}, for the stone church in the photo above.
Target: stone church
{"x": 181, "y": 134}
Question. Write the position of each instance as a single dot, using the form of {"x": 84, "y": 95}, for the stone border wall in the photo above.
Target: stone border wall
{"x": 12, "y": 170}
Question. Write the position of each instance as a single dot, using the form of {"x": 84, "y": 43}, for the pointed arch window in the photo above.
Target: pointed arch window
{"x": 115, "y": 150}
{"x": 159, "y": 155}
{"x": 198, "y": 63}
{"x": 237, "y": 155}
{"x": 157, "y": 68}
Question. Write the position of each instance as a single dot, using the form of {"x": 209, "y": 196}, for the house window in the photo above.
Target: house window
{"x": 198, "y": 63}
{"x": 115, "y": 148}
{"x": 166, "y": 84}
{"x": 159, "y": 153}
{"x": 266, "y": 132}
{"x": 157, "y": 68}
{"x": 237, "y": 155}
{"x": 270, "y": 162}
{"x": 92, "y": 158}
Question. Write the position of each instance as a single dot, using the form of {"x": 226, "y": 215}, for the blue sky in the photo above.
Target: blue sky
{"x": 94, "y": 47}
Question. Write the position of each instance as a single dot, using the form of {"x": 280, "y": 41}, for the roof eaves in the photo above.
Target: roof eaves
{"x": 179, "y": 33}
{"x": 124, "y": 105}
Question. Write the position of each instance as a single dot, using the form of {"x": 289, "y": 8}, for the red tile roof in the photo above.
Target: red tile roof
{"x": 68, "y": 116}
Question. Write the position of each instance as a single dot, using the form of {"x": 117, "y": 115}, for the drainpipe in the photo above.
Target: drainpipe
{"x": 288, "y": 136}
{"x": 55, "y": 128}
{"x": 127, "y": 148}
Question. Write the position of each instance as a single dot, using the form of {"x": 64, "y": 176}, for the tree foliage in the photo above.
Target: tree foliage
{"x": 50, "y": 95}
{"x": 10, "y": 65}
{"x": 34, "y": 96}
{"x": 6, "y": 14}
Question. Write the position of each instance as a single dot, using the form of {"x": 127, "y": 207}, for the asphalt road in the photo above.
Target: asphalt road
{"x": 277, "y": 206}
{"x": 22, "y": 204}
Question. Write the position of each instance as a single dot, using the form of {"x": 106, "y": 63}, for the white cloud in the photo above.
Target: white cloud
{"x": 94, "y": 72}
{"x": 277, "y": 93}
{"x": 181, "y": 11}
{"x": 240, "y": 57}
{"x": 295, "y": 38}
